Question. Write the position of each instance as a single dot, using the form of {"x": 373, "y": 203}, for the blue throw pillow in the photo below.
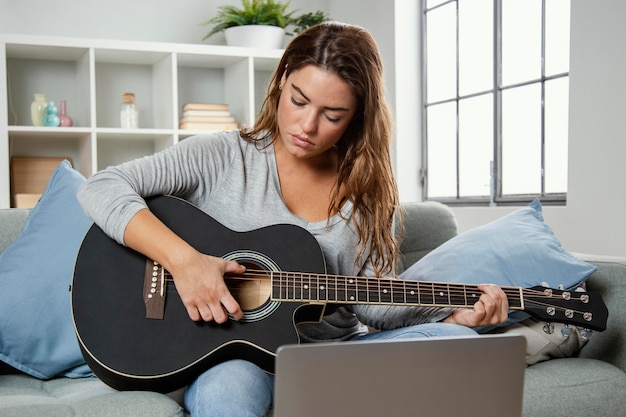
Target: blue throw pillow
{"x": 518, "y": 250}
{"x": 36, "y": 328}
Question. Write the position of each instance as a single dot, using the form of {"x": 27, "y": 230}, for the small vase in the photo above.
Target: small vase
{"x": 65, "y": 120}
{"x": 38, "y": 109}
{"x": 51, "y": 119}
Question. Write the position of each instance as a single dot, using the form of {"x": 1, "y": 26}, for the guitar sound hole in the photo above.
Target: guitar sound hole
{"x": 252, "y": 289}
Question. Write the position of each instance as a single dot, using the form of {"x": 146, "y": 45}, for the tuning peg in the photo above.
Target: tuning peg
{"x": 566, "y": 331}
{"x": 548, "y": 328}
{"x": 586, "y": 334}
{"x": 561, "y": 287}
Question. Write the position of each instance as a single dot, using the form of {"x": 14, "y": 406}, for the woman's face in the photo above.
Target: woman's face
{"x": 314, "y": 111}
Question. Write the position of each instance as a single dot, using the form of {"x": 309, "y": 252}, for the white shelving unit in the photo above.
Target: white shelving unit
{"x": 92, "y": 74}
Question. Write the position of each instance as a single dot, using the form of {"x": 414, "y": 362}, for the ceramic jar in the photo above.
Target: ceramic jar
{"x": 38, "y": 109}
{"x": 51, "y": 118}
{"x": 65, "y": 120}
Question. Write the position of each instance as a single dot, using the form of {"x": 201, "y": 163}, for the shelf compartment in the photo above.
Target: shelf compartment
{"x": 116, "y": 146}
{"x": 61, "y": 73}
{"x": 74, "y": 143}
{"x": 149, "y": 75}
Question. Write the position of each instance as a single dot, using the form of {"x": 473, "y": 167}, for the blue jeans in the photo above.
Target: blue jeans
{"x": 240, "y": 388}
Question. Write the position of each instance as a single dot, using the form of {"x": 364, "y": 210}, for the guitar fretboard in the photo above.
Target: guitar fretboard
{"x": 296, "y": 286}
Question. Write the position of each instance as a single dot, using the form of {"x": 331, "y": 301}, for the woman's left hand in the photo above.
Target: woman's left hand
{"x": 491, "y": 308}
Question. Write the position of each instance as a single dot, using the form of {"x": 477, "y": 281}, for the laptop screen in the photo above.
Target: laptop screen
{"x": 434, "y": 377}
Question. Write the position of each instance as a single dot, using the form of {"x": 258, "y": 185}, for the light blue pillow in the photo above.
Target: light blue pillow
{"x": 36, "y": 328}
{"x": 518, "y": 250}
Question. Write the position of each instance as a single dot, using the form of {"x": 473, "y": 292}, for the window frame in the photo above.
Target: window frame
{"x": 496, "y": 196}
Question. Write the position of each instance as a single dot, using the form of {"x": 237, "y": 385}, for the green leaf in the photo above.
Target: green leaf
{"x": 260, "y": 12}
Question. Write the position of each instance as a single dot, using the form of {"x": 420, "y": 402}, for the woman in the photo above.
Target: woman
{"x": 318, "y": 157}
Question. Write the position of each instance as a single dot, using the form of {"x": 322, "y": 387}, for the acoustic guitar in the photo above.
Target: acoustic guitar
{"x": 135, "y": 333}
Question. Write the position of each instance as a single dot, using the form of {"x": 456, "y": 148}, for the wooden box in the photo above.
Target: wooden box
{"x": 29, "y": 178}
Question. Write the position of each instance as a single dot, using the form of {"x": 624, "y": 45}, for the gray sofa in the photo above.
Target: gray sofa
{"x": 591, "y": 384}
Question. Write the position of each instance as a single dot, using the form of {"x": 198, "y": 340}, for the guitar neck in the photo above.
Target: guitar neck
{"x": 296, "y": 286}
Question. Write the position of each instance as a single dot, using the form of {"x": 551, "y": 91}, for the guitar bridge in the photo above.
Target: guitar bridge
{"x": 154, "y": 290}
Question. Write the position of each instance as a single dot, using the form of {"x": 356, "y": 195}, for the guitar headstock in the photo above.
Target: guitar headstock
{"x": 584, "y": 309}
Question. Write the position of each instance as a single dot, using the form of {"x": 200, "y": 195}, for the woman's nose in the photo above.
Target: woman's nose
{"x": 308, "y": 123}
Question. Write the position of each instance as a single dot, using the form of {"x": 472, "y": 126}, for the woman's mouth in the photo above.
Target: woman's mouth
{"x": 301, "y": 141}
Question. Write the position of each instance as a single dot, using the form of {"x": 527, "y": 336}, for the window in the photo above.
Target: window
{"x": 495, "y": 104}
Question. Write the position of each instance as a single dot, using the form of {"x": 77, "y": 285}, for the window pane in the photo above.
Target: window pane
{"x": 433, "y": 3}
{"x": 441, "y": 53}
{"x": 475, "y": 145}
{"x": 521, "y": 140}
{"x": 521, "y": 41}
{"x": 556, "y": 126}
{"x": 441, "y": 121}
{"x": 475, "y": 46}
{"x": 557, "y": 36}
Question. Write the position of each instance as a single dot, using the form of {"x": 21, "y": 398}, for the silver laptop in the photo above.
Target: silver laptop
{"x": 433, "y": 377}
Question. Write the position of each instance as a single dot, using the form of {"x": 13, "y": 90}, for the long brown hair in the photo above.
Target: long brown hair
{"x": 365, "y": 174}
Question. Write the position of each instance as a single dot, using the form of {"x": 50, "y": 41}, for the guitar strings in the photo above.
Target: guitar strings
{"x": 438, "y": 286}
{"x": 430, "y": 291}
{"x": 450, "y": 288}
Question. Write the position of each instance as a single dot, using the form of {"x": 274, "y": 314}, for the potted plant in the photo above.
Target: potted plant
{"x": 259, "y": 23}
{"x": 307, "y": 20}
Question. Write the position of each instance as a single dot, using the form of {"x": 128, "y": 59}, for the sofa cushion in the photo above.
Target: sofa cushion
{"x": 21, "y": 395}
{"x": 518, "y": 250}
{"x": 36, "y": 329}
{"x": 13, "y": 220}
{"x": 423, "y": 227}
{"x": 574, "y": 387}
{"x": 610, "y": 282}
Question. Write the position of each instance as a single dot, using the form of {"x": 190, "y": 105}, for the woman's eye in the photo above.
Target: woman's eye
{"x": 296, "y": 103}
{"x": 301, "y": 104}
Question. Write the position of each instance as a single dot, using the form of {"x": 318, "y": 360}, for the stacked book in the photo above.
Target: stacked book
{"x": 206, "y": 116}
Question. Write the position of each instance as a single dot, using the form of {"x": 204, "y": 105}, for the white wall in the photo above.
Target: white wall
{"x": 141, "y": 20}
{"x": 408, "y": 99}
{"x": 597, "y": 164}
{"x": 592, "y": 221}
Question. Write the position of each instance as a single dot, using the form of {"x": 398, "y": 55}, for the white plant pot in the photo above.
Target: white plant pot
{"x": 255, "y": 36}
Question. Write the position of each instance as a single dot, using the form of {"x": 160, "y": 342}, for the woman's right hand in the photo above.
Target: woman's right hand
{"x": 199, "y": 280}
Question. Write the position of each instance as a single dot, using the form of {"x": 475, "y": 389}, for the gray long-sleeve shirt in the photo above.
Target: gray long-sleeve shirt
{"x": 236, "y": 182}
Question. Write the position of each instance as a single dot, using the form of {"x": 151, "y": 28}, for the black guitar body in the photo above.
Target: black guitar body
{"x": 131, "y": 352}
